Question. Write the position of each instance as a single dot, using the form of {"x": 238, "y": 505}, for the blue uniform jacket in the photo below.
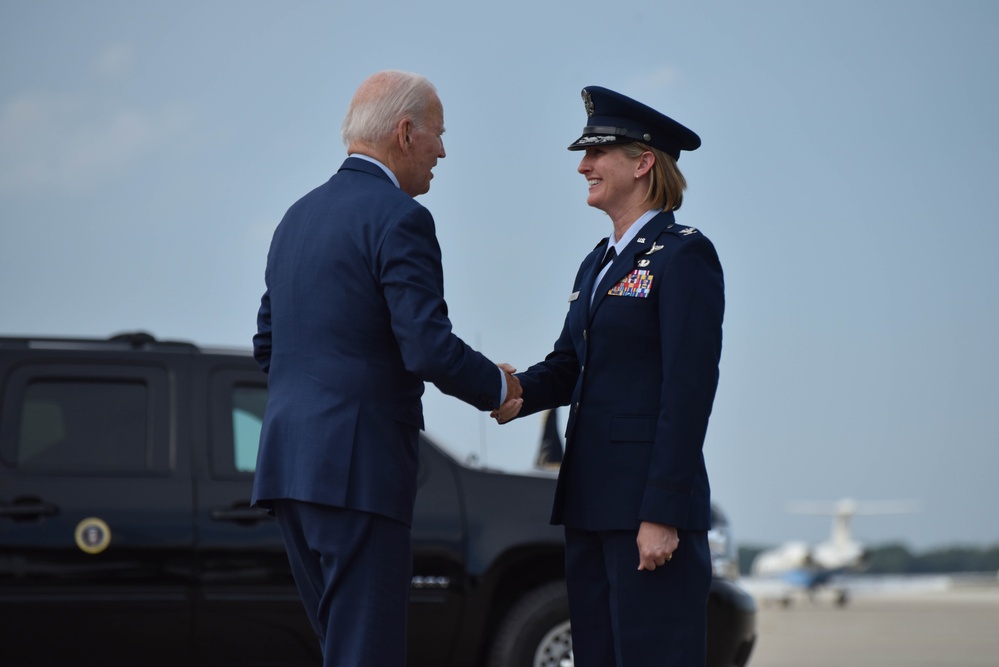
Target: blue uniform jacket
{"x": 352, "y": 322}
{"x": 639, "y": 369}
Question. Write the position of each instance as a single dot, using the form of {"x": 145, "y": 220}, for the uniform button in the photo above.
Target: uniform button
{"x": 585, "y": 335}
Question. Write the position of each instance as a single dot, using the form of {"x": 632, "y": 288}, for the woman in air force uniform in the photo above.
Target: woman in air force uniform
{"x": 637, "y": 362}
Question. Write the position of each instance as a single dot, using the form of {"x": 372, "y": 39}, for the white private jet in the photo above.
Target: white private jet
{"x": 796, "y": 567}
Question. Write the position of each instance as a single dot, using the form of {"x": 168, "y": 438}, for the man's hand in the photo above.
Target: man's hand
{"x": 656, "y": 544}
{"x": 514, "y": 402}
{"x": 513, "y": 389}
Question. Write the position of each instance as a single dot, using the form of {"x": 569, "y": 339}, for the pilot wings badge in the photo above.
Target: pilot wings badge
{"x": 655, "y": 248}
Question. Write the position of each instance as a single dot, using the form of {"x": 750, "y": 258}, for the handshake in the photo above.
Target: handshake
{"x": 514, "y": 402}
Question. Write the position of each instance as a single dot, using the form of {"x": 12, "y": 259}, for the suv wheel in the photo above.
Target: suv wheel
{"x": 535, "y": 632}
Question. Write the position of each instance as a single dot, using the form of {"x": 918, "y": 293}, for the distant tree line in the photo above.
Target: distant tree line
{"x": 898, "y": 559}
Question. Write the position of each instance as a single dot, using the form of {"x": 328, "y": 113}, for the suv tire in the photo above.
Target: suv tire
{"x": 535, "y": 632}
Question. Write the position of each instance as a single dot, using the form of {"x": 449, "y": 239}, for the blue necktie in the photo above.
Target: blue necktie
{"x": 608, "y": 258}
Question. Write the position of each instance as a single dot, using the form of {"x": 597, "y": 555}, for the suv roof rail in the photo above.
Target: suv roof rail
{"x": 135, "y": 339}
{"x": 132, "y": 340}
{"x": 143, "y": 340}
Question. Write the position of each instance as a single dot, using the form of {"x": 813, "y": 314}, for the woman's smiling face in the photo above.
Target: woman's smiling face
{"x": 613, "y": 179}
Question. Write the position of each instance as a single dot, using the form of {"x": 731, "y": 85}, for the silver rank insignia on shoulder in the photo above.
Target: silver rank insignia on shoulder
{"x": 655, "y": 248}
{"x": 687, "y": 231}
{"x": 573, "y": 296}
{"x": 642, "y": 263}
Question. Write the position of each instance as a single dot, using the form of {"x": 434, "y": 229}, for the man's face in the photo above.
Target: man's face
{"x": 426, "y": 147}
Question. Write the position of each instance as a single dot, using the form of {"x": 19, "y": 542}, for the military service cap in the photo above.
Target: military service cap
{"x": 613, "y": 118}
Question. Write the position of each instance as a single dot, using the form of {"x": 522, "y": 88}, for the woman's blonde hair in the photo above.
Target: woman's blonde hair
{"x": 666, "y": 184}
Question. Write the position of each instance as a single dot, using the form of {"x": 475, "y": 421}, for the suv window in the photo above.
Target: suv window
{"x": 238, "y": 399}
{"x": 83, "y": 426}
{"x": 247, "y": 417}
{"x": 80, "y": 423}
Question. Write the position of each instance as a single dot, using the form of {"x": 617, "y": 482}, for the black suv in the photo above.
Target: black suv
{"x": 126, "y": 537}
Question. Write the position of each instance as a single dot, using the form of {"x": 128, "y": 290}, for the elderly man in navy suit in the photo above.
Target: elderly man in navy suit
{"x": 352, "y": 322}
{"x": 637, "y": 361}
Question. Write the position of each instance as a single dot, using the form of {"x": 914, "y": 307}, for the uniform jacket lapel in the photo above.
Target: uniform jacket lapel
{"x": 624, "y": 263}
{"x": 592, "y": 261}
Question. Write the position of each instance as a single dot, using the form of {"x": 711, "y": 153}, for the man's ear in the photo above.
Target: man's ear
{"x": 404, "y": 134}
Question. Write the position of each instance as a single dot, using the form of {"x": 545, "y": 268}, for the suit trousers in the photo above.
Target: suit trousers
{"x": 353, "y": 572}
{"x": 623, "y": 617}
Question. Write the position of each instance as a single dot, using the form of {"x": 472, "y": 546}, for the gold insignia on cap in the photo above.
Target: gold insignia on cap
{"x": 587, "y": 102}
{"x": 92, "y": 535}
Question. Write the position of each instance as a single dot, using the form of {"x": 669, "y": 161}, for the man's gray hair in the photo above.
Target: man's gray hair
{"x": 382, "y": 101}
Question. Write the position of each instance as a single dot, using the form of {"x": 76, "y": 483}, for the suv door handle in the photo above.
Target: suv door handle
{"x": 244, "y": 514}
{"x": 29, "y": 509}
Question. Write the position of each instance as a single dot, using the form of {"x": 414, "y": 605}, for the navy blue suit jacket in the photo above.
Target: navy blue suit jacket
{"x": 640, "y": 374}
{"x": 352, "y": 322}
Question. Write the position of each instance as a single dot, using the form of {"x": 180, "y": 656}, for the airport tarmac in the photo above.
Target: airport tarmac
{"x": 956, "y": 627}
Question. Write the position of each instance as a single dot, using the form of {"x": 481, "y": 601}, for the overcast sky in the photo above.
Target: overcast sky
{"x": 847, "y": 177}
